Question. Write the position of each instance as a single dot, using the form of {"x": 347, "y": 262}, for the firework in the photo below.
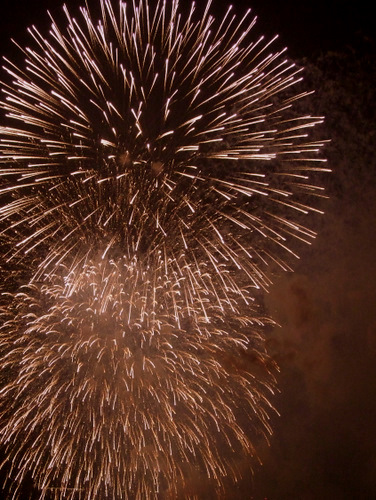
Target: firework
{"x": 152, "y": 172}
{"x": 102, "y": 375}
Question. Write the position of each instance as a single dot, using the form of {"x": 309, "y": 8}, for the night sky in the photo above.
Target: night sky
{"x": 323, "y": 445}
{"x": 305, "y": 27}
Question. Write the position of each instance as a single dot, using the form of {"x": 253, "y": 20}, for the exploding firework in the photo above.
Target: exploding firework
{"x": 152, "y": 173}
{"x": 104, "y": 379}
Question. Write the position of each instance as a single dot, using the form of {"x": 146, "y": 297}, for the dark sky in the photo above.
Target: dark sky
{"x": 310, "y": 27}
{"x": 324, "y": 440}
{"x": 305, "y": 27}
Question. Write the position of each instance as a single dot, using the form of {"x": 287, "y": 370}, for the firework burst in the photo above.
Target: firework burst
{"x": 103, "y": 377}
{"x": 152, "y": 171}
